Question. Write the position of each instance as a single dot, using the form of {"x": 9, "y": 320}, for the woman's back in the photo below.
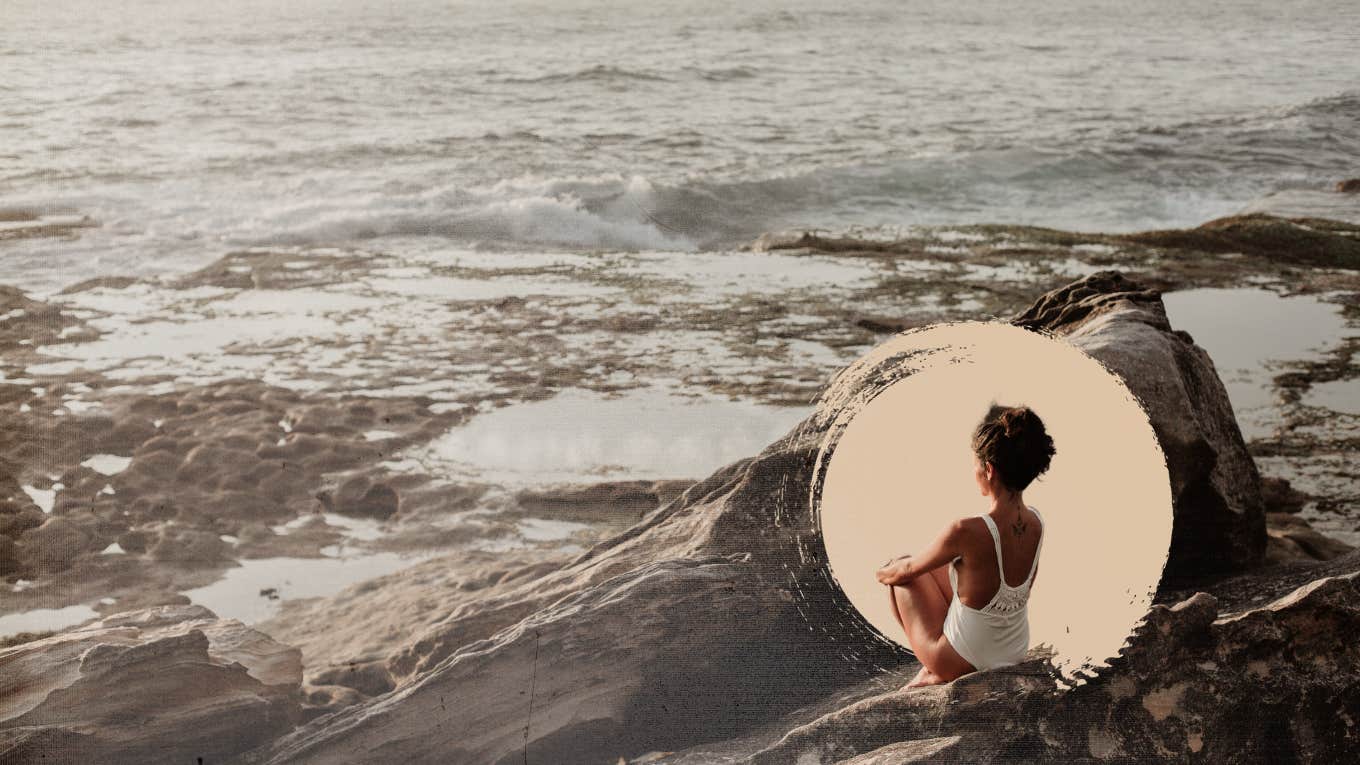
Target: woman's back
{"x": 995, "y": 558}
{"x": 988, "y": 618}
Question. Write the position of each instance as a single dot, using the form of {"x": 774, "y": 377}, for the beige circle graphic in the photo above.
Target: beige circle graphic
{"x": 896, "y": 467}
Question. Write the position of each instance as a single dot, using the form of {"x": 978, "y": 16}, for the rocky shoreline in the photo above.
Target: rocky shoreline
{"x": 677, "y": 615}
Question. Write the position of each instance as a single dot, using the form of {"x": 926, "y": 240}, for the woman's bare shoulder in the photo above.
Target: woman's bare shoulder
{"x": 967, "y": 528}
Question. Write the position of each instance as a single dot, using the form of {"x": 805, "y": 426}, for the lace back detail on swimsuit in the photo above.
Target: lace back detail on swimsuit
{"x": 1008, "y": 599}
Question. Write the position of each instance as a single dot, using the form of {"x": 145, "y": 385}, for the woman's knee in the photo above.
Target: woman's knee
{"x": 920, "y": 592}
{"x": 907, "y": 599}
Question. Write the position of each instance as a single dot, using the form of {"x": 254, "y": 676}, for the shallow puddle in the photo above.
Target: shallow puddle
{"x": 254, "y": 591}
{"x": 43, "y": 498}
{"x": 549, "y": 530}
{"x": 1248, "y": 333}
{"x": 583, "y": 437}
{"x": 43, "y": 619}
{"x": 107, "y": 464}
{"x": 1336, "y": 395}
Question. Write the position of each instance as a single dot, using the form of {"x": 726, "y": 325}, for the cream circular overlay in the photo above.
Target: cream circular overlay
{"x": 896, "y": 467}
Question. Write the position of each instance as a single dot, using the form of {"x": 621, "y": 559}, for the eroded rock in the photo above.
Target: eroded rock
{"x": 1270, "y": 684}
{"x": 1219, "y": 522}
{"x": 171, "y": 683}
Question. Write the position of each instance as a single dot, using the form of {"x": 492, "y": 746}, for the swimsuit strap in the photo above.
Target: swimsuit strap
{"x": 996, "y": 540}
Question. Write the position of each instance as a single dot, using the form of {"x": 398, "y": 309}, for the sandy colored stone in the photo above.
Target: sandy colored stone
{"x": 171, "y": 683}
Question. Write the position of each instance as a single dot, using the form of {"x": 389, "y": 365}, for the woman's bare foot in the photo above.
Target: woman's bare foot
{"x": 925, "y": 677}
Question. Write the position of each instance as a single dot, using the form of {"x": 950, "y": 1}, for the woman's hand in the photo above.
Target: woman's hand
{"x": 895, "y": 572}
{"x": 944, "y": 549}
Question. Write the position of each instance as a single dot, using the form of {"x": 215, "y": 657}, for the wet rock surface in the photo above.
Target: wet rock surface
{"x": 712, "y": 592}
{"x": 208, "y": 474}
{"x": 664, "y": 619}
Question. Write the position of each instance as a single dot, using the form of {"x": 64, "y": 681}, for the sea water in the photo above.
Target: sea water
{"x": 187, "y": 129}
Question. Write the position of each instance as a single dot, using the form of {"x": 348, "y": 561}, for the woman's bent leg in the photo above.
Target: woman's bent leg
{"x": 920, "y": 608}
{"x": 942, "y": 579}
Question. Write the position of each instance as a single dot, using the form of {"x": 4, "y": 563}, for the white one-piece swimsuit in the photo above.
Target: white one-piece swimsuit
{"x": 997, "y": 634}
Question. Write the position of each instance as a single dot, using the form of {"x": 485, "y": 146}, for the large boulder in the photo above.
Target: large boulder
{"x": 164, "y": 684}
{"x": 1219, "y": 515}
{"x": 685, "y": 628}
{"x": 1268, "y": 684}
{"x": 716, "y": 614}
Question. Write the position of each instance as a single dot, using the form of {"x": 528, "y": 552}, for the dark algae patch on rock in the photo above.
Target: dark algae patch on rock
{"x": 1300, "y": 241}
{"x": 1305, "y": 241}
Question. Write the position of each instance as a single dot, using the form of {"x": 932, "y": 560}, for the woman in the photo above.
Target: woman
{"x": 974, "y": 618}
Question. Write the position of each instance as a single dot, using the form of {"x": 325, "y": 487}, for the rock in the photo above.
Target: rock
{"x": 1349, "y": 186}
{"x": 609, "y": 499}
{"x": 1280, "y": 497}
{"x": 613, "y": 645}
{"x": 380, "y": 501}
{"x": 197, "y": 686}
{"x": 99, "y": 282}
{"x": 325, "y": 699}
{"x": 904, "y": 752}
{"x": 715, "y": 614}
{"x": 189, "y": 545}
{"x": 1264, "y": 685}
{"x": 358, "y": 496}
{"x": 368, "y": 678}
{"x": 798, "y": 240}
{"x": 879, "y": 324}
{"x": 351, "y": 490}
{"x": 1307, "y": 241}
{"x": 10, "y": 561}
{"x": 611, "y": 668}
{"x": 1294, "y": 539}
{"x": 1219, "y": 522}
{"x": 54, "y": 545}
{"x": 19, "y": 515}
{"x": 369, "y": 619}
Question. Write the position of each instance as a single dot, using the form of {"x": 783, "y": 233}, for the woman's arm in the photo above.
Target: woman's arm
{"x": 944, "y": 549}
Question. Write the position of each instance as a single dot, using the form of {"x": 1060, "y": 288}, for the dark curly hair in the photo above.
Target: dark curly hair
{"x": 1013, "y": 439}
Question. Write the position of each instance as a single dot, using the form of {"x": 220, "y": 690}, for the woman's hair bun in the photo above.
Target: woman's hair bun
{"x": 1017, "y": 420}
{"x": 1014, "y": 440}
{"x": 1010, "y": 422}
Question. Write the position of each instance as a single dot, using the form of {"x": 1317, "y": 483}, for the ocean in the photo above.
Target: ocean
{"x": 186, "y": 130}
